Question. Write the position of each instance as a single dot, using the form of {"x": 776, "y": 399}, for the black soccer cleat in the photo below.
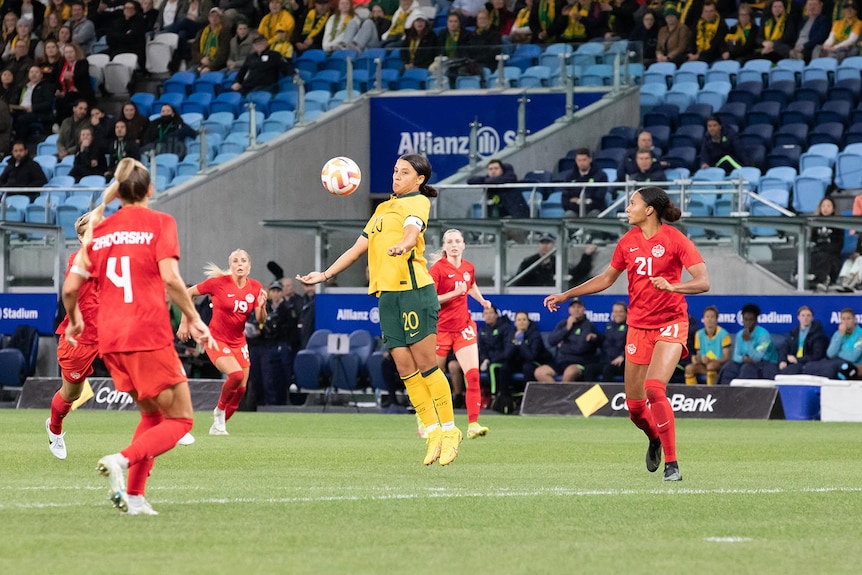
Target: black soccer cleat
{"x": 671, "y": 472}
{"x": 653, "y": 455}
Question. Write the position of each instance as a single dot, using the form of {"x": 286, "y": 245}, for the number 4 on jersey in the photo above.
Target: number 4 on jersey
{"x": 123, "y": 279}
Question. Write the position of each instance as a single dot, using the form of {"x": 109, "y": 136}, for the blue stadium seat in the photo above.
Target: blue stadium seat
{"x": 848, "y": 170}
{"x": 174, "y": 99}
{"x": 227, "y": 102}
{"x": 834, "y": 111}
{"x": 791, "y": 134}
{"x": 756, "y": 70}
{"x": 209, "y": 83}
{"x": 414, "y": 79}
{"x": 799, "y": 112}
{"x": 198, "y": 102}
{"x": 784, "y": 155}
{"x": 764, "y": 113}
{"x": 144, "y": 102}
{"x": 180, "y": 83}
{"x": 827, "y": 133}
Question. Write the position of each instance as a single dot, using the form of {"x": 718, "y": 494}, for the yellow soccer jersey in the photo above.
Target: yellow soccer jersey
{"x": 384, "y": 230}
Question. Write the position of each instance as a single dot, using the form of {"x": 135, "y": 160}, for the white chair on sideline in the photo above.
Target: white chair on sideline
{"x": 127, "y": 59}
{"x": 158, "y": 57}
{"x": 117, "y": 78}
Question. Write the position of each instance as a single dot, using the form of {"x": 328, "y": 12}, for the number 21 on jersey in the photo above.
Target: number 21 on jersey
{"x": 644, "y": 266}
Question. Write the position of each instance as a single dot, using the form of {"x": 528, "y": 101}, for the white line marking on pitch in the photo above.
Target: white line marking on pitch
{"x": 430, "y": 493}
{"x": 728, "y": 539}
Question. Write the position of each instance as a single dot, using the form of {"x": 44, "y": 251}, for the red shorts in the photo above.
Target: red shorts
{"x": 76, "y": 363}
{"x": 640, "y": 342}
{"x": 147, "y": 372}
{"x": 239, "y": 353}
{"x": 456, "y": 340}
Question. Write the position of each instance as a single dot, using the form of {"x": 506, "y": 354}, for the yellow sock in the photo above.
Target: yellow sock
{"x": 420, "y": 397}
{"x": 711, "y": 377}
{"x": 690, "y": 379}
{"x": 438, "y": 386}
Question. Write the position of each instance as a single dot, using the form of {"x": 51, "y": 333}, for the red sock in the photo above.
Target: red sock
{"x": 641, "y": 416}
{"x": 139, "y": 472}
{"x": 228, "y": 388}
{"x": 663, "y": 415}
{"x": 59, "y": 408}
{"x": 233, "y": 404}
{"x": 157, "y": 440}
{"x": 473, "y": 397}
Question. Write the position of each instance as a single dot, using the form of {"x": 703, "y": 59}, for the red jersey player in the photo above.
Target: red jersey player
{"x": 133, "y": 256}
{"x": 454, "y": 278}
{"x": 76, "y": 363}
{"x": 234, "y": 296}
{"x": 654, "y": 256}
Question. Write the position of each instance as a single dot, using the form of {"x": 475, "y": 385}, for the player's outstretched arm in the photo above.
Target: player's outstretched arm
{"x": 176, "y": 288}
{"x": 593, "y": 285}
{"x": 343, "y": 262}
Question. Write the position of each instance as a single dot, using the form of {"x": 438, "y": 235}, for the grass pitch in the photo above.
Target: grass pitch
{"x": 335, "y": 493}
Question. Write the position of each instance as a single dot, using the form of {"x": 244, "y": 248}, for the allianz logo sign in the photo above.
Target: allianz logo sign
{"x": 488, "y": 143}
{"x": 678, "y": 401}
{"x": 348, "y": 314}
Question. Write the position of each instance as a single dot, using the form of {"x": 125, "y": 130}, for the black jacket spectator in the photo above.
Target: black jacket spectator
{"x": 41, "y": 116}
{"x": 261, "y": 71}
{"x": 509, "y": 202}
{"x": 594, "y": 198}
{"x": 813, "y": 348}
{"x": 572, "y": 345}
{"x": 529, "y": 352}
{"x": 167, "y": 134}
{"x": 711, "y": 151}
{"x": 495, "y": 341}
{"x": 127, "y": 35}
{"x": 23, "y": 173}
{"x": 654, "y": 174}
{"x": 484, "y": 47}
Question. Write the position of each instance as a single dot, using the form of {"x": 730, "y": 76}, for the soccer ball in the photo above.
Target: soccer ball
{"x": 340, "y": 176}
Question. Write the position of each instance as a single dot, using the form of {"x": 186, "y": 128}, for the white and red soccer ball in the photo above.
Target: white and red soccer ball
{"x": 340, "y": 176}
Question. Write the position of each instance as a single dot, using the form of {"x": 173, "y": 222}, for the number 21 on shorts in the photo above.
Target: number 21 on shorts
{"x": 671, "y": 331}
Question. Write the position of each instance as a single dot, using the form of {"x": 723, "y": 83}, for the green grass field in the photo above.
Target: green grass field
{"x": 336, "y": 493}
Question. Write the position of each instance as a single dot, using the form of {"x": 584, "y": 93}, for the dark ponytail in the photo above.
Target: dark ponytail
{"x": 423, "y": 168}
{"x": 661, "y": 203}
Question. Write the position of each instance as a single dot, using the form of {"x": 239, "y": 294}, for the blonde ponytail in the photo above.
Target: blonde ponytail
{"x": 213, "y": 271}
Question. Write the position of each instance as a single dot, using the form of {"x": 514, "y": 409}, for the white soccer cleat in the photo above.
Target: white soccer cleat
{"x": 139, "y": 506}
{"x": 114, "y": 467}
{"x": 218, "y": 426}
{"x": 186, "y": 439}
{"x": 56, "y": 443}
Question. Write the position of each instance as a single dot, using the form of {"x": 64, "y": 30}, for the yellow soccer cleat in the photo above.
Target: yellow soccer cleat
{"x": 475, "y": 430}
{"x": 434, "y": 441}
{"x": 450, "y": 443}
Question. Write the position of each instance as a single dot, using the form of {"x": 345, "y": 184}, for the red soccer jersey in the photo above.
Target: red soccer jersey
{"x": 125, "y": 255}
{"x": 231, "y": 306}
{"x": 88, "y": 303}
{"x": 454, "y": 315}
{"x": 663, "y": 255}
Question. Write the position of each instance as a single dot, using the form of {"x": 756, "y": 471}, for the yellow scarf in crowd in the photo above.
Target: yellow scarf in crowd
{"x": 209, "y": 42}
{"x": 547, "y": 11}
{"x": 284, "y": 47}
{"x": 740, "y": 36}
{"x": 774, "y": 29}
{"x": 575, "y": 30}
{"x": 397, "y": 27}
{"x": 314, "y": 24}
{"x": 705, "y": 33}
{"x": 845, "y": 30}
